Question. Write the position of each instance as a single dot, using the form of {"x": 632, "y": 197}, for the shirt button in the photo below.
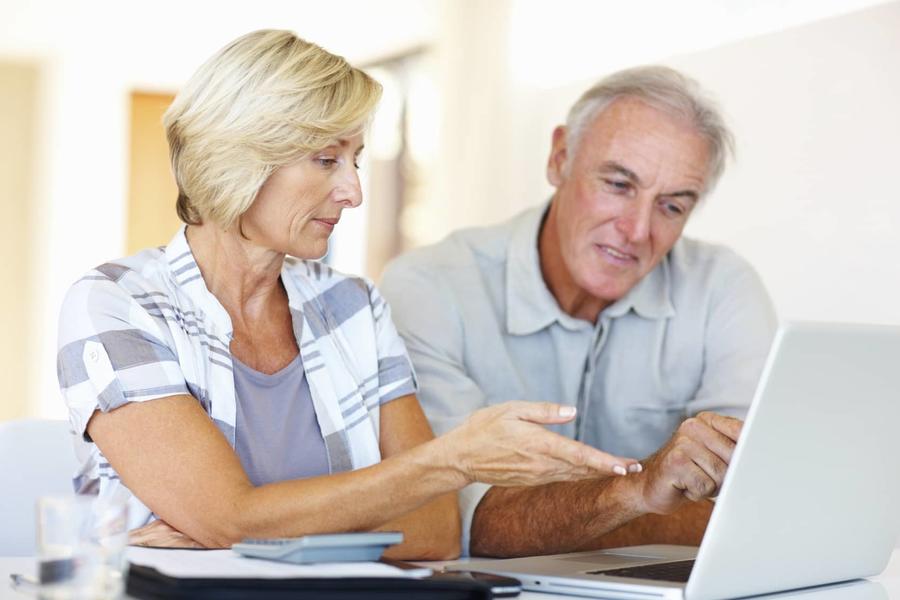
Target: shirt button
{"x": 93, "y": 355}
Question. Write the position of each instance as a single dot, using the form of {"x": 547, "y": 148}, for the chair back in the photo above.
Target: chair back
{"x": 37, "y": 458}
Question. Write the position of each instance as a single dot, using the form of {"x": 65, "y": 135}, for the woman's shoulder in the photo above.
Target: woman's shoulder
{"x": 143, "y": 273}
{"x": 129, "y": 290}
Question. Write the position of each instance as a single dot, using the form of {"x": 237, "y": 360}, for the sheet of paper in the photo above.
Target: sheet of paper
{"x": 225, "y": 563}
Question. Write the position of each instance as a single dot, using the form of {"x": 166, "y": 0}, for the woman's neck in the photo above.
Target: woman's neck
{"x": 244, "y": 278}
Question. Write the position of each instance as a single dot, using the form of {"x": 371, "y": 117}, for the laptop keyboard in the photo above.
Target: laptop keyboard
{"x": 677, "y": 571}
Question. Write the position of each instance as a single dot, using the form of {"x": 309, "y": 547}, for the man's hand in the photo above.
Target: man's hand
{"x": 692, "y": 464}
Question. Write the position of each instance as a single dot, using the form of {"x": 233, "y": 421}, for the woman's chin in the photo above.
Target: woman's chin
{"x": 307, "y": 253}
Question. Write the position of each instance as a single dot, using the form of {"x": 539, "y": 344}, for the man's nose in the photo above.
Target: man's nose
{"x": 634, "y": 222}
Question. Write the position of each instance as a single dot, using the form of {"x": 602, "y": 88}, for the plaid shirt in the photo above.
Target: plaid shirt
{"x": 146, "y": 327}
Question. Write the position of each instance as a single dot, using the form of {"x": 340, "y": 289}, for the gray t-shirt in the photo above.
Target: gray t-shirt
{"x": 277, "y": 436}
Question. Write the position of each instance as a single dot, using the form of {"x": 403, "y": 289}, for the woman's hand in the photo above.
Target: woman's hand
{"x": 160, "y": 534}
{"x": 506, "y": 445}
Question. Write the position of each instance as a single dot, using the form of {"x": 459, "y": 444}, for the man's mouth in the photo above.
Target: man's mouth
{"x": 617, "y": 254}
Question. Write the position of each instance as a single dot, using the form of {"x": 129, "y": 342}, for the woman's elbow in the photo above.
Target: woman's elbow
{"x": 222, "y": 526}
{"x": 441, "y": 542}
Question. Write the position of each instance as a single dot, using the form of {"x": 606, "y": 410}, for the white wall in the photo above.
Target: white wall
{"x": 812, "y": 200}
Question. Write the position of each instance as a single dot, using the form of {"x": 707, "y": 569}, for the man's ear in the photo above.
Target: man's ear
{"x": 558, "y": 154}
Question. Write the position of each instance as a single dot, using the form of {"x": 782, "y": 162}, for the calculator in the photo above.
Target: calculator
{"x": 332, "y": 547}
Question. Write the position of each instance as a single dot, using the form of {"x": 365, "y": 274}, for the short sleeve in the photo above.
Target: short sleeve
{"x": 111, "y": 352}
{"x": 396, "y": 376}
{"x": 740, "y": 327}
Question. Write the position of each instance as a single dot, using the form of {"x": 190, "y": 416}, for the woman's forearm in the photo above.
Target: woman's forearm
{"x": 359, "y": 500}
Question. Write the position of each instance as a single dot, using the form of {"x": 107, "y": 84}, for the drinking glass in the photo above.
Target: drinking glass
{"x": 81, "y": 543}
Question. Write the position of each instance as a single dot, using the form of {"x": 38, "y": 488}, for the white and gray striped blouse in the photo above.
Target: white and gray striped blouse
{"x": 146, "y": 327}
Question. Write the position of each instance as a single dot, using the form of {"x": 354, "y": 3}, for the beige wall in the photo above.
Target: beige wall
{"x": 151, "y": 187}
{"x": 19, "y": 84}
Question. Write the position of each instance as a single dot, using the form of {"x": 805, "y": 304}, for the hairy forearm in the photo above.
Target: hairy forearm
{"x": 547, "y": 519}
{"x": 685, "y": 527}
{"x": 568, "y": 517}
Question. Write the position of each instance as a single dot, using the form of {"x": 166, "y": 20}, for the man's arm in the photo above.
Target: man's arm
{"x": 569, "y": 517}
{"x": 590, "y": 515}
{"x": 664, "y": 504}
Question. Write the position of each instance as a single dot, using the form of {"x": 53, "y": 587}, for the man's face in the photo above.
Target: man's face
{"x": 625, "y": 195}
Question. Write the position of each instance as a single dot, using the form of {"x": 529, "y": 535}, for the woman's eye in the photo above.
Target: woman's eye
{"x": 326, "y": 161}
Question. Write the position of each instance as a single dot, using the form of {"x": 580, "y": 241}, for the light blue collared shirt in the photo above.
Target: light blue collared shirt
{"x": 482, "y": 328}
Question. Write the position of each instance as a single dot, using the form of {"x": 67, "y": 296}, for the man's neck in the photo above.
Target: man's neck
{"x": 572, "y": 299}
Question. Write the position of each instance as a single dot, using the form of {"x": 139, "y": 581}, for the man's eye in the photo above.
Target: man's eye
{"x": 673, "y": 209}
{"x": 617, "y": 186}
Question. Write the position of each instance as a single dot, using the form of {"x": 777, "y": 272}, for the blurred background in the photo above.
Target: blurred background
{"x": 473, "y": 89}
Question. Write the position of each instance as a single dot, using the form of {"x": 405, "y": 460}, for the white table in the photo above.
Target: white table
{"x": 884, "y": 587}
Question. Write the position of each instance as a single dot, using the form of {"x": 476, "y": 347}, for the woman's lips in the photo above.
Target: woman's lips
{"x": 327, "y": 223}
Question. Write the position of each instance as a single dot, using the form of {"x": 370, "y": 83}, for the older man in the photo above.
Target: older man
{"x": 597, "y": 300}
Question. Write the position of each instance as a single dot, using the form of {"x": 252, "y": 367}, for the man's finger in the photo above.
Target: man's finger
{"x": 727, "y": 426}
{"x": 711, "y": 464}
{"x": 698, "y": 430}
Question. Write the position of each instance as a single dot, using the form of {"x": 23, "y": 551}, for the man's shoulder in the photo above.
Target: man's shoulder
{"x": 467, "y": 250}
{"x": 694, "y": 258}
{"x": 702, "y": 272}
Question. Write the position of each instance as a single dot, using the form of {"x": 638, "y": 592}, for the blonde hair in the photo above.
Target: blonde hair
{"x": 266, "y": 99}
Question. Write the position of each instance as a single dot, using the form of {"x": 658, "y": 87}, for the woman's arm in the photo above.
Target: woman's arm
{"x": 431, "y": 532}
{"x": 172, "y": 457}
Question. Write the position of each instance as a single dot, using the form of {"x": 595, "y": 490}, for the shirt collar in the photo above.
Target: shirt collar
{"x": 651, "y": 298}
{"x": 530, "y": 306}
{"x": 186, "y": 274}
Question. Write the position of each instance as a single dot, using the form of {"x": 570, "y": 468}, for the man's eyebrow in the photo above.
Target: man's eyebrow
{"x": 612, "y": 166}
{"x": 689, "y": 194}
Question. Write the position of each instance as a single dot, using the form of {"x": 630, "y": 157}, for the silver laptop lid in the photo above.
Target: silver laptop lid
{"x": 813, "y": 495}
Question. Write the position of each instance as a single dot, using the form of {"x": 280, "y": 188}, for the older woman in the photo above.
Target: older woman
{"x": 234, "y": 391}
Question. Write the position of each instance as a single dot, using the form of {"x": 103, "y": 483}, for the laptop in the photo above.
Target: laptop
{"x": 812, "y": 494}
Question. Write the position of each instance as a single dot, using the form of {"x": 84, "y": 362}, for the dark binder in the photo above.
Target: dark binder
{"x": 148, "y": 583}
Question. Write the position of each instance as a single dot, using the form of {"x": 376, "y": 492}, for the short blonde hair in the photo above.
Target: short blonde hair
{"x": 266, "y": 99}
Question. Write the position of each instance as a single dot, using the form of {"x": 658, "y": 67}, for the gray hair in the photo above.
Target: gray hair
{"x": 665, "y": 89}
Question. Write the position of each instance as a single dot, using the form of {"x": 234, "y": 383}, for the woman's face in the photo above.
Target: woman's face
{"x": 300, "y": 204}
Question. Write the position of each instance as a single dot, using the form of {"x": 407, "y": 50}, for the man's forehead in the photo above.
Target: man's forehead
{"x": 645, "y": 141}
